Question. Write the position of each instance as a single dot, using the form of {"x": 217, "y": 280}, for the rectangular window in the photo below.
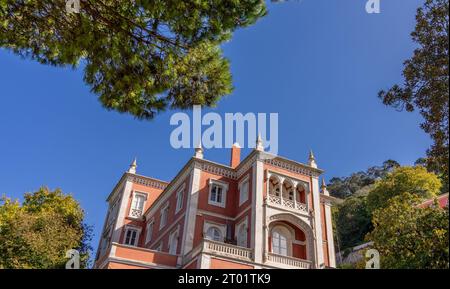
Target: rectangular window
{"x": 131, "y": 237}
{"x": 148, "y": 236}
{"x": 159, "y": 248}
{"x": 173, "y": 243}
{"x": 163, "y": 217}
{"x": 217, "y": 193}
{"x": 179, "y": 205}
{"x": 243, "y": 192}
{"x": 137, "y": 205}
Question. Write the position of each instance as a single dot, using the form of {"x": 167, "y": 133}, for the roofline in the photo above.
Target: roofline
{"x": 171, "y": 184}
{"x": 194, "y": 159}
{"x": 127, "y": 174}
{"x": 305, "y": 166}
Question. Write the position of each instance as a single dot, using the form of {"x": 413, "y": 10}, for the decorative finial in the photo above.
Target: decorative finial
{"x": 324, "y": 188}
{"x": 199, "y": 151}
{"x": 259, "y": 143}
{"x": 312, "y": 160}
{"x": 133, "y": 166}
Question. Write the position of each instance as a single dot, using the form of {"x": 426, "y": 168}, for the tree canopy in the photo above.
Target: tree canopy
{"x": 139, "y": 57}
{"x": 347, "y": 186}
{"x": 352, "y": 221}
{"x": 426, "y": 80}
{"x": 409, "y": 237}
{"x": 413, "y": 180}
{"x": 39, "y": 232}
{"x": 367, "y": 191}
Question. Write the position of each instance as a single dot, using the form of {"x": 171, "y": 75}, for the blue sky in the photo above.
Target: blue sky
{"x": 317, "y": 63}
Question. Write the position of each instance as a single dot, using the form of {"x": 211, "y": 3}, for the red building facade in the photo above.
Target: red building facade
{"x": 262, "y": 212}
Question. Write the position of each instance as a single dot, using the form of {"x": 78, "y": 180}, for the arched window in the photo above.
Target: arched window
{"x": 281, "y": 241}
{"x": 291, "y": 195}
{"x": 214, "y": 234}
{"x": 301, "y": 191}
{"x": 274, "y": 186}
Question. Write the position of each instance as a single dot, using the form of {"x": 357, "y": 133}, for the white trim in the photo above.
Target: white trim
{"x": 122, "y": 211}
{"x": 257, "y": 239}
{"x": 179, "y": 199}
{"x": 171, "y": 187}
{"x": 224, "y": 187}
{"x": 241, "y": 183}
{"x": 171, "y": 236}
{"x": 149, "y": 233}
{"x": 135, "y": 194}
{"x": 243, "y": 222}
{"x": 221, "y": 227}
{"x": 191, "y": 212}
{"x": 138, "y": 234}
{"x": 205, "y": 261}
{"x": 164, "y": 210}
{"x": 288, "y": 233}
{"x": 167, "y": 229}
{"x": 317, "y": 222}
{"x": 208, "y": 213}
{"x": 329, "y": 226}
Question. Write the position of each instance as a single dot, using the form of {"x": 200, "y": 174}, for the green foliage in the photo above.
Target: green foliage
{"x": 345, "y": 266}
{"x": 140, "y": 56}
{"x": 413, "y": 180}
{"x": 410, "y": 237}
{"x": 345, "y": 187}
{"x": 426, "y": 81}
{"x": 352, "y": 221}
{"x": 38, "y": 232}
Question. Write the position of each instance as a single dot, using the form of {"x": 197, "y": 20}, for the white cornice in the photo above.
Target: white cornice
{"x": 292, "y": 166}
{"x": 137, "y": 179}
{"x": 162, "y": 198}
{"x": 219, "y": 169}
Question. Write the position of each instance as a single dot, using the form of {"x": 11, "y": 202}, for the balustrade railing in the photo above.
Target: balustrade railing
{"x": 290, "y": 204}
{"x": 135, "y": 213}
{"x": 289, "y": 261}
{"x": 228, "y": 250}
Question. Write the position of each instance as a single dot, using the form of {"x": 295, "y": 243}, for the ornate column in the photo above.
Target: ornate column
{"x": 307, "y": 196}
{"x": 256, "y": 241}
{"x": 294, "y": 192}
{"x": 191, "y": 210}
{"x": 329, "y": 227}
{"x": 281, "y": 185}
{"x": 266, "y": 241}
{"x": 317, "y": 220}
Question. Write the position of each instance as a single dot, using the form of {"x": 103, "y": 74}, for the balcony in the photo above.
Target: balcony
{"x": 288, "y": 262}
{"x": 286, "y": 204}
{"x": 221, "y": 249}
{"x": 227, "y": 250}
{"x": 135, "y": 213}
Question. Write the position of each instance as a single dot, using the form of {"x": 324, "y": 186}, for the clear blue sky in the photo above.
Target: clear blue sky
{"x": 318, "y": 63}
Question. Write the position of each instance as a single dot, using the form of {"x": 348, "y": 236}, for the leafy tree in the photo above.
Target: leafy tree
{"x": 414, "y": 180}
{"x": 426, "y": 81}
{"x": 352, "y": 221}
{"x": 39, "y": 232}
{"x": 345, "y": 187}
{"x": 410, "y": 237}
{"x": 140, "y": 56}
